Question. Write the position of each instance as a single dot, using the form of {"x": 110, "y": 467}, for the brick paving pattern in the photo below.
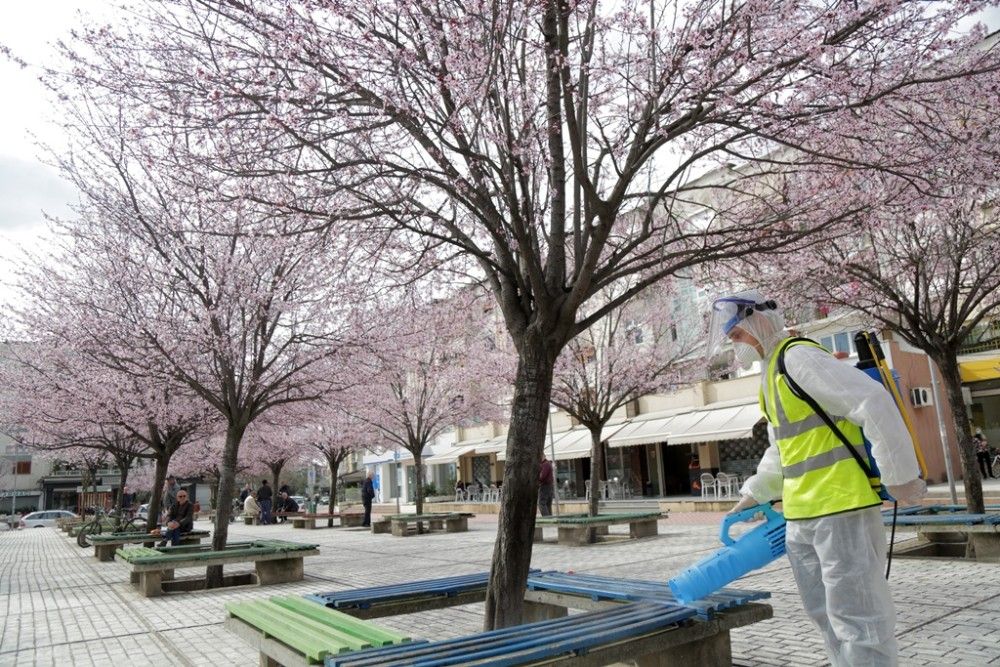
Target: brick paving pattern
{"x": 59, "y": 605}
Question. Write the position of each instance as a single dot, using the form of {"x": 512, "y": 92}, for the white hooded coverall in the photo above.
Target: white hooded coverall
{"x": 839, "y": 560}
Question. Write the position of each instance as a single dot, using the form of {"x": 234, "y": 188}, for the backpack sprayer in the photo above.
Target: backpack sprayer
{"x": 766, "y": 543}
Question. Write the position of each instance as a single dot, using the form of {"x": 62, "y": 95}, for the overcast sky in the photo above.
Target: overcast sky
{"x": 27, "y": 186}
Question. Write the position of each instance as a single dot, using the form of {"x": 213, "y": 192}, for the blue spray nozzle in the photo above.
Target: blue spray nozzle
{"x": 770, "y": 514}
{"x": 753, "y": 550}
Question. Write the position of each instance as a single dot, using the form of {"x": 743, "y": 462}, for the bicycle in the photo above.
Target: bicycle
{"x": 122, "y": 524}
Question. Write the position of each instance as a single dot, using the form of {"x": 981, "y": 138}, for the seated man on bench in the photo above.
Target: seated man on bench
{"x": 180, "y": 520}
{"x": 286, "y": 504}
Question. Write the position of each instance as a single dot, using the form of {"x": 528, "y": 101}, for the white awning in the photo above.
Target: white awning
{"x": 452, "y": 454}
{"x": 572, "y": 444}
{"x": 493, "y": 445}
{"x": 731, "y": 423}
{"x": 642, "y": 432}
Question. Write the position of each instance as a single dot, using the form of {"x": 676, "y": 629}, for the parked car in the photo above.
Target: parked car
{"x": 143, "y": 512}
{"x": 44, "y": 519}
{"x": 300, "y": 501}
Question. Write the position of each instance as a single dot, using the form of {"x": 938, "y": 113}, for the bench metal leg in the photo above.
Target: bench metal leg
{"x": 646, "y": 528}
{"x": 105, "y": 552}
{"x": 712, "y": 650}
{"x": 279, "y": 571}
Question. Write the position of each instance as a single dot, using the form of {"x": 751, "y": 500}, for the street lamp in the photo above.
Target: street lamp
{"x": 13, "y": 494}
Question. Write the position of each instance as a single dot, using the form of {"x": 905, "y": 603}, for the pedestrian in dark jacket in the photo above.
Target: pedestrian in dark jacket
{"x": 367, "y": 497}
{"x": 265, "y": 496}
{"x": 286, "y": 504}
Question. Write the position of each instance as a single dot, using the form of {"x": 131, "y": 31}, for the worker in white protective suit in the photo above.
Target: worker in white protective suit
{"x": 834, "y": 535}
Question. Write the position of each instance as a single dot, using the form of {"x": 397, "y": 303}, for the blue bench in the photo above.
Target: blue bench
{"x": 951, "y": 532}
{"x": 567, "y": 638}
{"x": 610, "y": 589}
{"x": 409, "y": 597}
{"x": 548, "y": 598}
{"x": 925, "y": 510}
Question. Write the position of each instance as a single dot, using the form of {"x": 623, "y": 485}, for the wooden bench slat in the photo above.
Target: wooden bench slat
{"x": 534, "y": 641}
{"x": 364, "y": 631}
{"x": 273, "y": 623}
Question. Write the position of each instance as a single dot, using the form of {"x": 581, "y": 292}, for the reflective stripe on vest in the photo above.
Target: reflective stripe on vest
{"x": 821, "y": 476}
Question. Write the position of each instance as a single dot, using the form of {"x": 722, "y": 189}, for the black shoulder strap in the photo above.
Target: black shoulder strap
{"x": 811, "y": 402}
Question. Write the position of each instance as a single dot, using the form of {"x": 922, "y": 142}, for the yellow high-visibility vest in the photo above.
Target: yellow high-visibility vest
{"x": 821, "y": 477}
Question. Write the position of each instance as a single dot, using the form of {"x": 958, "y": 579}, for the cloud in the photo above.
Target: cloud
{"x": 27, "y": 188}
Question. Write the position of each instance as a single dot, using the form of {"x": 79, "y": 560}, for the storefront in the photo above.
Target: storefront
{"x": 982, "y": 378}
{"x": 21, "y": 502}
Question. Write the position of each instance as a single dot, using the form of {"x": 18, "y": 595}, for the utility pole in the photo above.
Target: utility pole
{"x": 943, "y": 430}
{"x": 13, "y": 494}
{"x": 555, "y": 475}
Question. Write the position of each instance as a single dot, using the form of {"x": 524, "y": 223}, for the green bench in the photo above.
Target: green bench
{"x": 450, "y": 522}
{"x": 308, "y": 521}
{"x": 275, "y": 562}
{"x": 293, "y": 631}
{"x": 105, "y": 546}
{"x": 576, "y": 529}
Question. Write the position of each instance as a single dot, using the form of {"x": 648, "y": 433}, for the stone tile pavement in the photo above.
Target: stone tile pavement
{"x": 59, "y": 605}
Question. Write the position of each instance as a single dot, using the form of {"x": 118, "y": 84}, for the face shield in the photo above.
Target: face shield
{"x": 748, "y": 310}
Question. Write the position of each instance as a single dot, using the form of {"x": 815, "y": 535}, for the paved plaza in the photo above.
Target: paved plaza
{"x": 60, "y": 606}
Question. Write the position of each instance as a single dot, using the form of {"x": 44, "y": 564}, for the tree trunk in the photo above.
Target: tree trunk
{"x": 418, "y": 474}
{"x": 227, "y": 478}
{"x": 334, "y": 464}
{"x": 596, "y": 466}
{"x": 972, "y": 479}
{"x": 123, "y": 466}
{"x": 159, "y": 479}
{"x": 276, "y": 469}
{"x": 516, "y": 523}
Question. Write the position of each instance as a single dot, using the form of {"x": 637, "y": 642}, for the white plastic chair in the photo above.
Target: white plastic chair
{"x": 708, "y": 483}
{"x": 723, "y": 485}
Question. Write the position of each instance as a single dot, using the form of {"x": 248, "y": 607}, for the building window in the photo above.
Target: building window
{"x": 22, "y": 468}
{"x": 840, "y": 342}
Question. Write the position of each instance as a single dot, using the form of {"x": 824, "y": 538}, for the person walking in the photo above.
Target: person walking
{"x": 834, "y": 535}
{"x": 546, "y": 490}
{"x": 983, "y": 454}
{"x": 264, "y": 498}
{"x": 367, "y": 497}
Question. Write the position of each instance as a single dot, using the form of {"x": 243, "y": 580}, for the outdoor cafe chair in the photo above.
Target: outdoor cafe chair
{"x": 709, "y": 485}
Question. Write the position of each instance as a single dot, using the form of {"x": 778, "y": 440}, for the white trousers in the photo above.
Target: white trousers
{"x": 839, "y": 566}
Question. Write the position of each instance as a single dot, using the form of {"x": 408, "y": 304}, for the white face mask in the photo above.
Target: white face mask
{"x": 746, "y": 354}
